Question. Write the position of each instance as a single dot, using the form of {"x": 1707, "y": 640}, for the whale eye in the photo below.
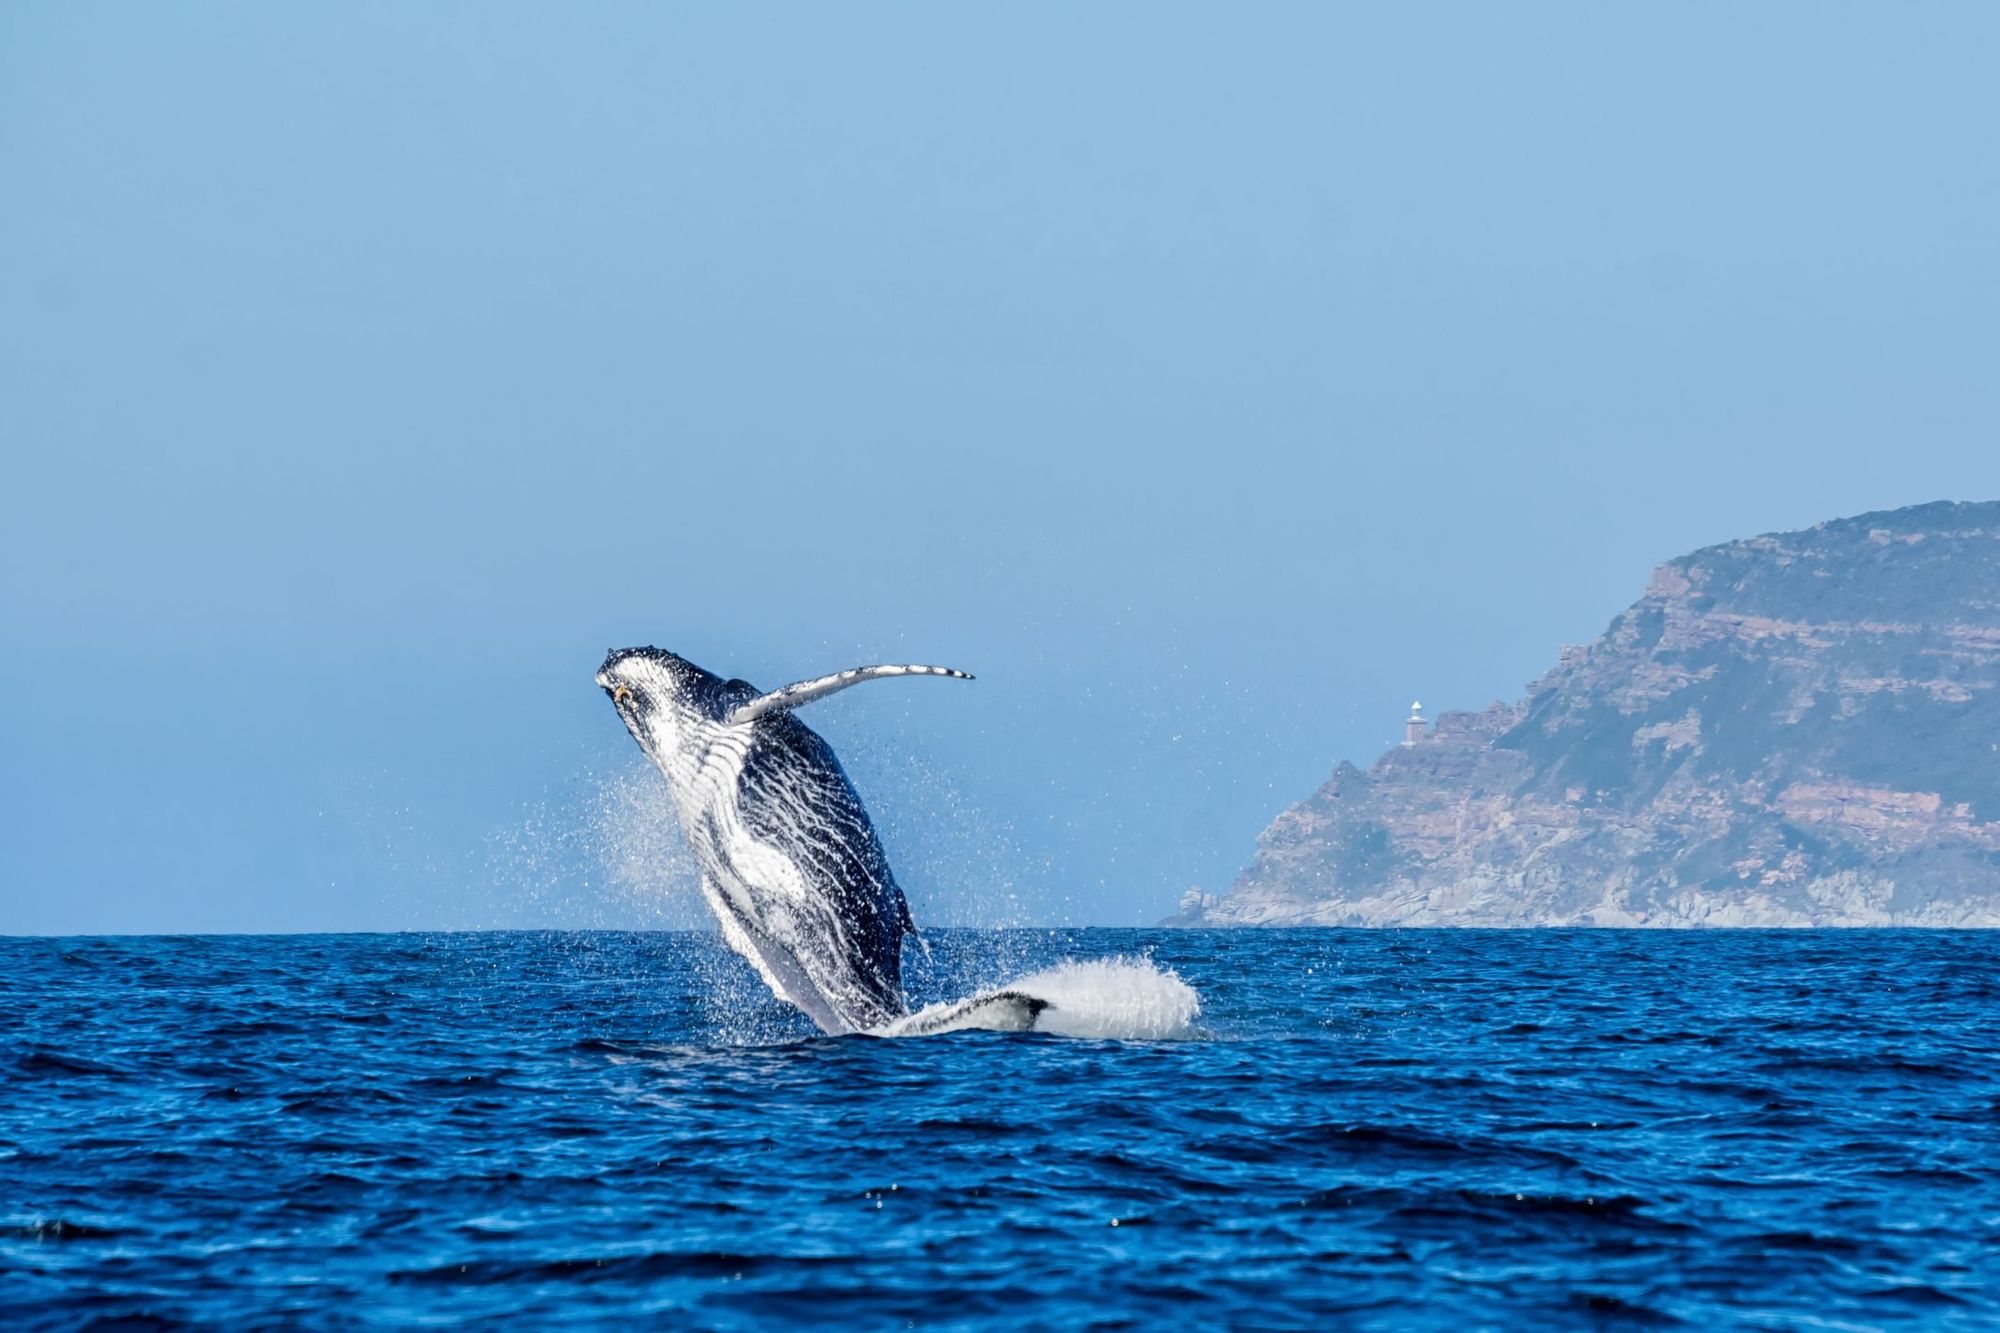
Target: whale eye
{"x": 622, "y": 695}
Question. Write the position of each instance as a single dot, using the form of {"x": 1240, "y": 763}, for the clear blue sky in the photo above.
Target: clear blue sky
{"x": 1211, "y": 380}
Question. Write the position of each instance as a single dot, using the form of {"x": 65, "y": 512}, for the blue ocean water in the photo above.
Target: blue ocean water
{"x": 1393, "y": 1129}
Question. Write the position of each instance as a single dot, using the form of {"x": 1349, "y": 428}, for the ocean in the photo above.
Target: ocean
{"x": 1399, "y": 1129}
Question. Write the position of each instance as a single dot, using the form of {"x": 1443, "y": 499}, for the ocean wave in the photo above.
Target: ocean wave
{"x": 570, "y": 1131}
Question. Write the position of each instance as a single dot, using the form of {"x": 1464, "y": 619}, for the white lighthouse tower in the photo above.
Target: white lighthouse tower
{"x": 1413, "y": 725}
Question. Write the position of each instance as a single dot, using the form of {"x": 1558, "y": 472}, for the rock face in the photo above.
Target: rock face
{"x": 1792, "y": 730}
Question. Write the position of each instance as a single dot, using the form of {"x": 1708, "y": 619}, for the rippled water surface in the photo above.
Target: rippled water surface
{"x": 1374, "y": 1129}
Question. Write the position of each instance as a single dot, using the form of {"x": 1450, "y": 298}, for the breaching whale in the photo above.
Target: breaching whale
{"x": 790, "y": 863}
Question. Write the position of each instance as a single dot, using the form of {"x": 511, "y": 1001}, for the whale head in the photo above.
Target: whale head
{"x": 661, "y": 696}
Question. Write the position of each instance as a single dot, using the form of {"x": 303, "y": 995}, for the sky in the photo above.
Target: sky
{"x": 1209, "y": 380}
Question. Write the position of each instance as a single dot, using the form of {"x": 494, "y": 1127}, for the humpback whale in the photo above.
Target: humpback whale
{"x": 790, "y": 864}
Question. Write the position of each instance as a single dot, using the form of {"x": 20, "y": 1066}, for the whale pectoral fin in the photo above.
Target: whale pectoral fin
{"x": 1006, "y": 1011}
{"x": 805, "y": 691}
{"x": 1001, "y": 1011}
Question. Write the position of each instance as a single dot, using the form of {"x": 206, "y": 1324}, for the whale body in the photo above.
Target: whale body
{"x": 790, "y": 863}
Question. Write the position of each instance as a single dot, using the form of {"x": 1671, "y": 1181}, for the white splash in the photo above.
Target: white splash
{"x": 604, "y": 853}
{"x": 1126, "y": 999}
{"x": 636, "y": 835}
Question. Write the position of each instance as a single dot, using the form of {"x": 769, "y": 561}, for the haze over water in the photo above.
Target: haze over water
{"x": 1393, "y": 1129}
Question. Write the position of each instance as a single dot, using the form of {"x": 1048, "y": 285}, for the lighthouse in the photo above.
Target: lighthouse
{"x": 1413, "y": 725}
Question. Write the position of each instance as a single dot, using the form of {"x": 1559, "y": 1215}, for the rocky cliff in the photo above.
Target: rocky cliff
{"x": 1795, "y": 729}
